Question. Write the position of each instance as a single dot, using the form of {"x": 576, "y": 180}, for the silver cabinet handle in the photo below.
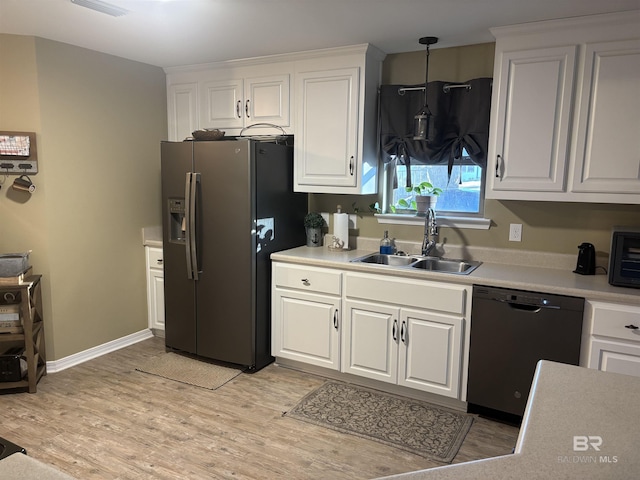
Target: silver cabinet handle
{"x": 351, "y": 165}
{"x": 393, "y": 331}
{"x": 402, "y": 333}
{"x": 238, "y": 106}
{"x": 335, "y": 319}
{"x": 306, "y": 282}
{"x": 246, "y": 108}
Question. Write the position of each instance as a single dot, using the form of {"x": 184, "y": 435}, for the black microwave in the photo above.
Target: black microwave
{"x": 624, "y": 259}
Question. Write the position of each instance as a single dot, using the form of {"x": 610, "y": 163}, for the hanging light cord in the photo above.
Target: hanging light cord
{"x": 426, "y": 80}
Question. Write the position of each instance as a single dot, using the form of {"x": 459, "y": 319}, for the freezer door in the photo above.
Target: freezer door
{"x": 179, "y": 290}
{"x": 226, "y": 252}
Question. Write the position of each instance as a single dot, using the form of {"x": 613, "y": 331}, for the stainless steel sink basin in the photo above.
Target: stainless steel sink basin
{"x": 432, "y": 264}
{"x": 385, "y": 259}
{"x": 446, "y": 265}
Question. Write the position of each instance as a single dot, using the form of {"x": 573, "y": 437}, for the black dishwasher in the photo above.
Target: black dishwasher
{"x": 511, "y": 330}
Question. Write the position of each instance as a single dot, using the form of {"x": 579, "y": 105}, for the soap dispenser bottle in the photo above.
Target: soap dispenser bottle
{"x": 386, "y": 247}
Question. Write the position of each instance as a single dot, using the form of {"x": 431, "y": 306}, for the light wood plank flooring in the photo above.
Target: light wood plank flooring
{"x": 105, "y": 420}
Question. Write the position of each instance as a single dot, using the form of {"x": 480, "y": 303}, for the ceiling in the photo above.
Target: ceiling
{"x": 184, "y": 32}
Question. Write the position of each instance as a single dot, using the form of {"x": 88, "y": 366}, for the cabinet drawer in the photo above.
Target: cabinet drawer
{"x": 154, "y": 258}
{"x": 312, "y": 279}
{"x": 406, "y": 292}
{"x": 617, "y": 321}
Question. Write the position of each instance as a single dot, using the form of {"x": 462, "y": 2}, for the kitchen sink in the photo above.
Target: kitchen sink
{"x": 432, "y": 264}
{"x": 387, "y": 259}
{"x": 446, "y": 265}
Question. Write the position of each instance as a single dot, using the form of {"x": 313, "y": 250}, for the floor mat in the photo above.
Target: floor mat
{"x": 433, "y": 432}
{"x": 188, "y": 370}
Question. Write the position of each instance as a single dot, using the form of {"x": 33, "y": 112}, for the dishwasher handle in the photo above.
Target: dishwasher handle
{"x": 527, "y": 307}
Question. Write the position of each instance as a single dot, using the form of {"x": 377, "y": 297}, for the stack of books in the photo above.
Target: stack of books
{"x": 10, "y": 318}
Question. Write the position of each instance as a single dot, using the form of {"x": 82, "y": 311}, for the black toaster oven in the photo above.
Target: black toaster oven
{"x": 624, "y": 259}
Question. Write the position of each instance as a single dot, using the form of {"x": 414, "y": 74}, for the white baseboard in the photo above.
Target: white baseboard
{"x": 95, "y": 352}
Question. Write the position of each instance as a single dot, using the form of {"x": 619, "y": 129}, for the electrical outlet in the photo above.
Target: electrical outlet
{"x": 515, "y": 232}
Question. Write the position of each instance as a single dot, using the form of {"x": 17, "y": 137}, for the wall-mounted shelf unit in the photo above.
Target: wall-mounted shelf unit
{"x": 18, "y": 153}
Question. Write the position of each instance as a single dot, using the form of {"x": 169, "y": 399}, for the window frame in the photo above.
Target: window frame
{"x": 445, "y": 218}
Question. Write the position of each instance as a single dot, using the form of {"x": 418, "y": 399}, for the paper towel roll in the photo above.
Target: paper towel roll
{"x": 341, "y": 228}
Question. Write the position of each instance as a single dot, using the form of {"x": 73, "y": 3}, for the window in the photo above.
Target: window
{"x": 463, "y": 194}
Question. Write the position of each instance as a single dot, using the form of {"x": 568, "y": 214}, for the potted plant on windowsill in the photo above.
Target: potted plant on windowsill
{"x": 313, "y": 223}
{"x": 425, "y": 197}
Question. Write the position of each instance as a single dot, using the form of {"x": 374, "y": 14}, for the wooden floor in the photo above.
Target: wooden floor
{"x": 105, "y": 420}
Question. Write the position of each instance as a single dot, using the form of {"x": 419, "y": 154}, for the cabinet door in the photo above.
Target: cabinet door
{"x": 430, "y": 352}
{"x": 616, "y": 357}
{"x": 607, "y": 153}
{"x": 529, "y": 151}
{"x": 370, "y": 341}
{"x": 306, "y": 328}
{"x": 326, "y": 145}
{"x": 267, "y": 100}
{"x": 182, "y": 110}
{"x": 155, "y": 287}
{"x": 156, "y": 305}
{"x": 221, "y": 104}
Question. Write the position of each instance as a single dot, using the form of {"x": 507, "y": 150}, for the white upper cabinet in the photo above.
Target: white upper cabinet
{"x": 182, "y": 108}
{"x": 327, "y": 109}
{"x": 241, "y": 102}
{"x": 533, "y": 115}
{"x": 327, "y": 98}
{"x": 335, "y": 121}
{"x": 565, "y": 111}
{"x": 607, "y": 153}
{"x": 230, "y": 96}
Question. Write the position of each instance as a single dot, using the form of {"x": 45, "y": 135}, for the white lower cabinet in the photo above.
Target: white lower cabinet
{"x": 430, "y": 352}
{"x": 616, "y": 357}
{"x": 155, "y": 287}
{"x": 306, "y": 315}
{"x": 413, "y": 348}
{"x": 401, "y": 331}
{"x": 370, "y": 340}
{"x": 615, "y": 337}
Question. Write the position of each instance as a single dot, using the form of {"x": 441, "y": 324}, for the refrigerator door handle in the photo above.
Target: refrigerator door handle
{"x": 191, "y": 194}
{"x": 188, "y": 231}
{"x": 192, "y": 227}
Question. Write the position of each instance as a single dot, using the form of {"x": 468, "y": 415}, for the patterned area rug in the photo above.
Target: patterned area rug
{"x": 189, "y": 370}
{"x": 417, "y": 427}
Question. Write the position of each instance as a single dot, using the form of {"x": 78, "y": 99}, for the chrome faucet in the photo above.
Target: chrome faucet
{"x": 430, "y": 232}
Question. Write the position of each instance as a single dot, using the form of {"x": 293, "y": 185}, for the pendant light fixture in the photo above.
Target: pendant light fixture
{"x": 422, "y": 120}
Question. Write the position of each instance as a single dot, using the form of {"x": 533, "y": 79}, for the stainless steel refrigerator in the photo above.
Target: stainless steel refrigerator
{"x": 226, "y": 206}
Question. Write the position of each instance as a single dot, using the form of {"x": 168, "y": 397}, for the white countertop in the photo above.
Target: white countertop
{"x": 152, "y": 236}
{"x": 565, "y": 402}
{"x": 560, "y": 281}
